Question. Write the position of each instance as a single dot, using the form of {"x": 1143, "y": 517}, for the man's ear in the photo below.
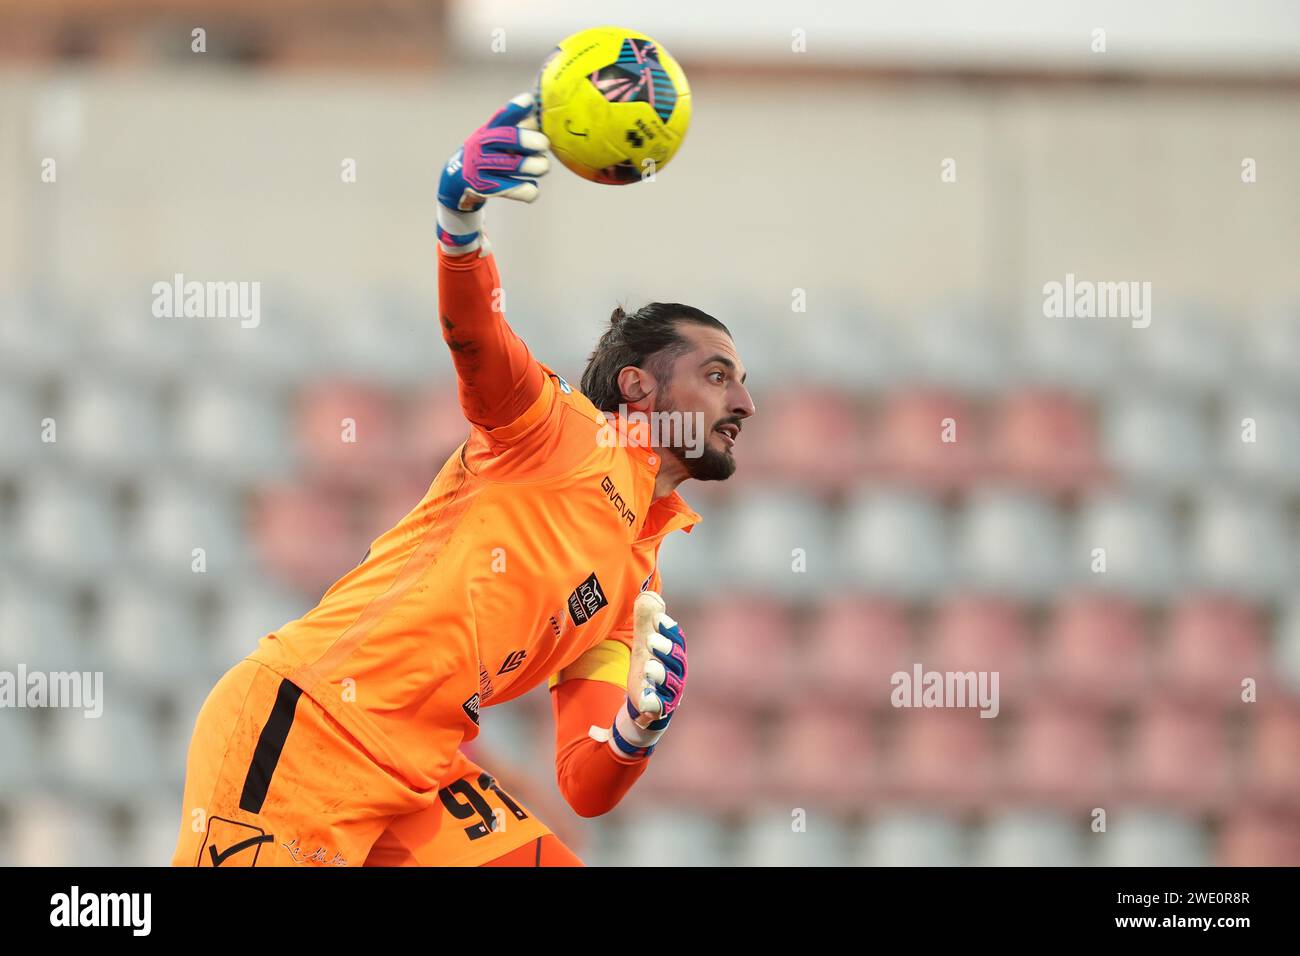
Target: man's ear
{"x": 635, "y": 385}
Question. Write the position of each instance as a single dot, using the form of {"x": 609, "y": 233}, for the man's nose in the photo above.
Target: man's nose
{"x": 743, "y": 404}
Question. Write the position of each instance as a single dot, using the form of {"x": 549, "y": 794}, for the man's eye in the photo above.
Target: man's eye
{"x": 719, "y": 376}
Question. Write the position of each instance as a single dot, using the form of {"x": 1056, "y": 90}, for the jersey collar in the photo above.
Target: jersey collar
{"x": 635, "y": 438}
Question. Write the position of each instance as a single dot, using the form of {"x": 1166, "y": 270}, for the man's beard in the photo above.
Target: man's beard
{"x": 710, "y": 465}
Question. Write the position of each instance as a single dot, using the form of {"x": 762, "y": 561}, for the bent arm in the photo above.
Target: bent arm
{"x": 592, "y": 777}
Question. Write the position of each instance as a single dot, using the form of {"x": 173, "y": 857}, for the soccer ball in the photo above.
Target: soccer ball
{"x": 614, "y": 104}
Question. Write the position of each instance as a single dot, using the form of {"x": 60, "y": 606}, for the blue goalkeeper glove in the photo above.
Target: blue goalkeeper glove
{"x": 657, "y": 680}
{"x": 499, "y": 159}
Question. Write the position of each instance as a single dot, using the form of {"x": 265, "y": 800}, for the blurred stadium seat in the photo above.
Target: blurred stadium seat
{"x": 1254, "y": 836}
{"x": 111, "y": 757}
{"x": 20, "y": 418}
{"x": 779, "y": 543}
{"x": 175, "y": 517}
{"x": 782, "y": 837}
{"x": 1270, "y": 460}
{"x": 1156, "y": 440}
{"x": 1080, "y": 356}
{"x": 110, "y": 426}
{"x": 1272, "y": 757}
{"x": 1243, "y": 543}
{"x": 671, "y": 835}
{"x": 231, "y": 428}
{"x": 822, "y": 758}
{"x": 959, "y": 347}
{"x": 304, "y": 535}
{"x": 148, "y": 638}
{"x": 742, "y": 639}
{"x": 1139, "y": 540}
{"x": 153, "y": 827}
{"x": 1286, "y": 648}
{"x": 809, "y": 437}
{"x": 895, "y": 542}
{"x": 912, "y": 837}
{"x": 55, "y": 829}
{"x": 943, "y": 757}
{"x": 1212, "y": 644}
{"x": 931, "y": 439}
{"x": 346, "y": 431}
{"x": 1011, "y": 543}
{"x": 1097, "y": 649}
{"x": 975, "y": 632}
{"x": 1147, "y": 837}
{"x": 1046, "y": 440}
{"x": 67, "y": 526}
{"x": 246, "y": 610}
{"x": 855, "y": 644}
{"x": 1179, "y": 757}
{"x": 690, "y": 771}
{"x": 1192, "y": 350}
{"x": 1029, "y": 838}
{"x": 1060, "y": 753}
{"x": 39, "y": 626}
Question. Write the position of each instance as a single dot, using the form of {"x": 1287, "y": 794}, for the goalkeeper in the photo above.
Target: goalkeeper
{"x": 337, "y": 741}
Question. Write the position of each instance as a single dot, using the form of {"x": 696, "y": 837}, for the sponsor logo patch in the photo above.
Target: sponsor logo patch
{"x": 586, "y": 600}
{"x": 230, "y": 843}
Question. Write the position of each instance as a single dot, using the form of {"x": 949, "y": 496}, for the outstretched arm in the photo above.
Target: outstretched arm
{"x": 499, "y": 380}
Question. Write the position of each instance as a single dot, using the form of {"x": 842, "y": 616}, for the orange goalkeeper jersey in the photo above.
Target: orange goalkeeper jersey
{"x": 527, "y": 551}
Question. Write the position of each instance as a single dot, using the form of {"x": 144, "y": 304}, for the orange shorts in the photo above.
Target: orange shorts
{"x": 273, "y": 780}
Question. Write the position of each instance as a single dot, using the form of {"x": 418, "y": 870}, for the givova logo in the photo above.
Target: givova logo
{"x": 103, "y": 909}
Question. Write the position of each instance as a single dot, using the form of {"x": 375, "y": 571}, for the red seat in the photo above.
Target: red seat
{"x": 1059, "y": 753}
{"x": 908, "y": 445}
{"x": 433, "y": 425}
{"x": 711, "y": 762}
{"x": 1255, "y": 836}
{"x": 1097, "y": 650}
{"x": 813, "y": 437}
{"x": 981, "y": 633}
{"x": 942, "y": 756}
{"x": 855, "y": 646}
{"x": 304, "y": 537}
{"x": 823, "y": 755}
{"x": 1179, "y": 755}
{"x": 1046, "y": 439}
{"x": 1213, "y": 643}
{"x": 346, "y": 431}
{"x": 740, "y": 650}
{"x": 1272, "y": 758}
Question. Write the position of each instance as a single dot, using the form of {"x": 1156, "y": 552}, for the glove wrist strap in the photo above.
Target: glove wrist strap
{"x": 459, "y": 232}
{"x": 629, "y": 738}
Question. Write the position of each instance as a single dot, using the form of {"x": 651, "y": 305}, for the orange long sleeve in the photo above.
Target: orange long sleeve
{"x": 499, "y": 379}
{"x": 592, "y": 778}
